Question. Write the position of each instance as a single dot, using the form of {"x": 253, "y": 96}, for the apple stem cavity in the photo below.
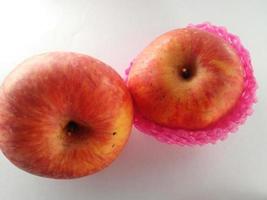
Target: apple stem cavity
{"x": 186, "y": 73}
{"x": 75, "y": 129}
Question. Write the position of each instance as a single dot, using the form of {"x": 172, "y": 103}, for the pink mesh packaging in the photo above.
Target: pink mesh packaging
{"x": 228, "y": 123}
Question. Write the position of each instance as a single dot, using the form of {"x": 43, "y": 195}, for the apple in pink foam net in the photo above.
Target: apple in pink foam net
{"x": 192, "y": 85}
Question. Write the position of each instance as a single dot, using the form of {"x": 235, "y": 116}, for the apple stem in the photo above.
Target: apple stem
{"x": 71, "y": 128}
{"x": 186, "y": 73}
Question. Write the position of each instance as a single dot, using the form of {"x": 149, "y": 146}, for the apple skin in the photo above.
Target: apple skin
{"x": 186, "y": 78}
{"x": 64, "y": 115}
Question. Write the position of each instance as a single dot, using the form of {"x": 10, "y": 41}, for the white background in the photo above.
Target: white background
{"x": 115, "y": 31}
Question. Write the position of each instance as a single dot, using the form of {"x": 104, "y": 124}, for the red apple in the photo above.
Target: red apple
{"x": 186, "y": 78}
{"x": 64, "y": 115}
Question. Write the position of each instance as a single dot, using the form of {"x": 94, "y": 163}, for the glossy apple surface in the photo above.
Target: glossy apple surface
{"x": 64, "y": 115}
{"x": 186, "y": 78}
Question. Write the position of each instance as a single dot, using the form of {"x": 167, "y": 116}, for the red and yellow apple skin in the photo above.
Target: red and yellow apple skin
{"x": 64, "y": 115}
{"x": 186, "y": 78}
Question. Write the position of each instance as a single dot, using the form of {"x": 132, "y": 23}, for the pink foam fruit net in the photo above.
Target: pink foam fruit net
{"x": 226, "y": 124}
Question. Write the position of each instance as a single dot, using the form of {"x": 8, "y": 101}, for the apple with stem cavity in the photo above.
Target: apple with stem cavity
{"x": 186, "y": 79}
{"x": 64, "y": 115}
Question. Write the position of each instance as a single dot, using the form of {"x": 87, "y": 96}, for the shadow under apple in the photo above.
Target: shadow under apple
{"x": 147, "y": 169}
